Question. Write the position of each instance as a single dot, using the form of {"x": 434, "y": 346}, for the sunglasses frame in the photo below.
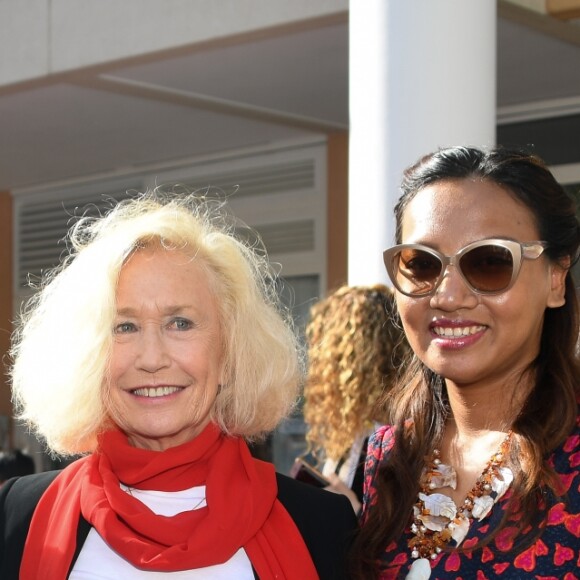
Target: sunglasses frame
{"x": 519, "y": 251}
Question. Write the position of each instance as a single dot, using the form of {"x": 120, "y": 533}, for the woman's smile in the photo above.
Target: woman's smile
{"x": 155, "y": 392}
{"x": 449, "y": 335}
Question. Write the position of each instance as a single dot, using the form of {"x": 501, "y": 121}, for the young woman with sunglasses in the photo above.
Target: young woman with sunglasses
{"x": 477, "y": 473}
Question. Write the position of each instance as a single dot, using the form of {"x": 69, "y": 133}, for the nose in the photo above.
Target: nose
{"x": 453, "y": 292}
{"x": 152, "y": 353}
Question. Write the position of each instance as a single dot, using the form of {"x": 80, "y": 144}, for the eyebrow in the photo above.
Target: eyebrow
{"x": 166, "y": 311}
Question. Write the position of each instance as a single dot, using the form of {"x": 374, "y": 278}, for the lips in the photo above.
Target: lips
{"x": 155, "y": 391}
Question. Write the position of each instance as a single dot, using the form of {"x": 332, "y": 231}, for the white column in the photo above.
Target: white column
{"x": 422, "y": 76}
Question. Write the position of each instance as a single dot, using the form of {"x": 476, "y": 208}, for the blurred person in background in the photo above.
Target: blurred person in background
{"x": 355, "y": 349}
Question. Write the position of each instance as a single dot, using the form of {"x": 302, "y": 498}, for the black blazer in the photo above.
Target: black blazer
{"x": 325, "y": 520}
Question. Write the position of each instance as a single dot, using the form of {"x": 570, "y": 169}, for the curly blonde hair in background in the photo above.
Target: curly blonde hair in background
{"x": 61, "y": 348}
{"x": 355, "y": 349}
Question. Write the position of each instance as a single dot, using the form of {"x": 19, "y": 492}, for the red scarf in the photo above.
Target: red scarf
{"x": 242, "y": 510}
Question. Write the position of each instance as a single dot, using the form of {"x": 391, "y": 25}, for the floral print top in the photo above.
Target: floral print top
{"x": 555, "y": 555}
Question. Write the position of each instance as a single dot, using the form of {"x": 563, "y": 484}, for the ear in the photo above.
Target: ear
{"x": 558, "y": 273}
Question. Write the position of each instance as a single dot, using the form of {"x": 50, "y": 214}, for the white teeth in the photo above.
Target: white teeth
{"x": 457, "y": 331}
{"x": 155, "y": 391}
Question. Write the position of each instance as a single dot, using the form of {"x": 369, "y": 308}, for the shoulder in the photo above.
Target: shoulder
{"x": 566, "y": 457}
{"x": 21, "y": 494}
{"x": 566, "y": 463}
{"x": 381, "y": 441}
{"x": 18, "y": 499}
{"x": 325, "y": 520}
{"x": 380, "y": 444}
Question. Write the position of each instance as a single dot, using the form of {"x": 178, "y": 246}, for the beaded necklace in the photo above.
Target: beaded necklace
{"x": 436, "y": 518}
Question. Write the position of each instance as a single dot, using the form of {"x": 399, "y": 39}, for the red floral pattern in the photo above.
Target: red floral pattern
{"x": 555, "y": 555}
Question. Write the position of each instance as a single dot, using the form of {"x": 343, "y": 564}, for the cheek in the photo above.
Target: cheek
{"x": 111, "y": 398}
{"x": 412, "y": 313}
{"x": 120, "y": 360}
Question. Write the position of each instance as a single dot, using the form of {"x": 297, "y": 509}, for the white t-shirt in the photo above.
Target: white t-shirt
{"x": 97, "y": 561}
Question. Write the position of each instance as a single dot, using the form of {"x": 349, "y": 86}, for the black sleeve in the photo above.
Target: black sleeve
{"x": 18, "y": 500}
{"x": 326, "y": 521}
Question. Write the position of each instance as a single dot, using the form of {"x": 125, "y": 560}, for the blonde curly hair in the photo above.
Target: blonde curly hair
{"x": 355, "y": 349}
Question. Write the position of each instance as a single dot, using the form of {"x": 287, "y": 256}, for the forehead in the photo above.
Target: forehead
{"x": 165, "y": 272}
{"x": 453, "y": 213}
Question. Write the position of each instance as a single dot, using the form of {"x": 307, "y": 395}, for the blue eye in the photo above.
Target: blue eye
{"x": 181, "y": 324}
{"x": 124, "y": 328}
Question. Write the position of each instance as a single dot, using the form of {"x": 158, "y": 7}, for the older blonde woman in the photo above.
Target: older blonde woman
{"x": 155, "y": 351}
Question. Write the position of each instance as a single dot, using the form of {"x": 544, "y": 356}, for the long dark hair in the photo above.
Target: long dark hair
{"x": 550, "y": 410}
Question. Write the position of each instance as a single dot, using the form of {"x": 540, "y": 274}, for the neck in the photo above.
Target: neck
{"x": 479, "y": 409}
{"x": 480, "y": 421}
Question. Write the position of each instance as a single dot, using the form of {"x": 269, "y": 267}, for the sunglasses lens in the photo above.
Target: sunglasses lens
{"x": 416, "y": 271}
{"x": 488, "y": 268}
